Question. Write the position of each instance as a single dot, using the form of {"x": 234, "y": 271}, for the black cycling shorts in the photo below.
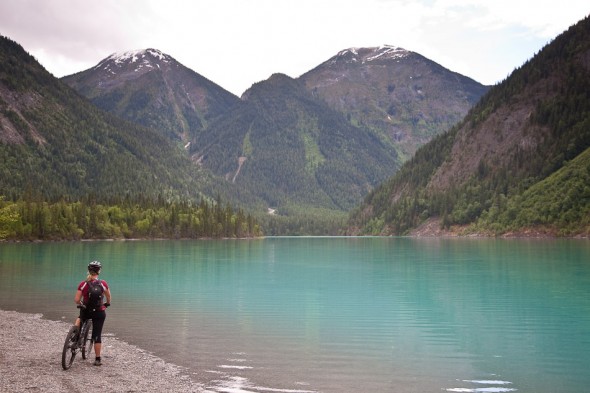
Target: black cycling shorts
{"x": 98, "y": 318}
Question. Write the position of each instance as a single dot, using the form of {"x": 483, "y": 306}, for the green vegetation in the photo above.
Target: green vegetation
{"x": 414, "y": 204}
{"x": 66, "y": 147}
{"x": 537, "y": 187}
{"x": 560, "y": 204}
{"x": 86, "y": 219}
{"x": 303, "y": 222}
{"x": 247, "y": 145}
{"x": 313, "y": 155}
{"x": 301, "y": 154}
{"x": 403, "y": 101}
{"x": 70, "y": 171}
{"x": 170, "y": 98}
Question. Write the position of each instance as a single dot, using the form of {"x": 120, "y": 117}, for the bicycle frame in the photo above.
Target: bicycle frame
{"x": 77, "y": 340}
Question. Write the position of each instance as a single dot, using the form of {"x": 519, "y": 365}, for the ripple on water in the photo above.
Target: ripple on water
{"x": 484, "y": 386}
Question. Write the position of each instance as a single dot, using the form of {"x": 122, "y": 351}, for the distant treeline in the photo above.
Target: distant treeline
{"x": 88, "y": 219}
{"x": 544, "y": 188}
{"x": 291, "y": 221}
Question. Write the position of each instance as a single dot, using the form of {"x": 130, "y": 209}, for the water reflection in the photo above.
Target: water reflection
{"x": 335, "y": 314}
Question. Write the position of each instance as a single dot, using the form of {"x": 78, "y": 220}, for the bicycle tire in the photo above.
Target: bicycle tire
{"x": 87, "y": 343}
{"x": 70, "y": 348}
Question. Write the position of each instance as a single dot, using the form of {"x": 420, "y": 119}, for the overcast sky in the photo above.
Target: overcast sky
{"x": 236, "y": 43}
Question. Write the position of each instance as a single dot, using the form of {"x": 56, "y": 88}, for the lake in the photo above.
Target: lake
{"x": 321, "y": 314}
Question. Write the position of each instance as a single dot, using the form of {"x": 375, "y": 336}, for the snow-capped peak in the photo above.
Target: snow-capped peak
{"x": 365, "y": 55}
{"x": 143, "y": 58}
{"x": 138, "y": 55}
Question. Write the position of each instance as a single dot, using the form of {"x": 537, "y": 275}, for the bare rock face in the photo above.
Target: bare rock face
{"x": 399, "y": 93}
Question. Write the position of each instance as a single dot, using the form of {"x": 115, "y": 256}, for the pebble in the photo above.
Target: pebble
{"x": 30, "y": 361}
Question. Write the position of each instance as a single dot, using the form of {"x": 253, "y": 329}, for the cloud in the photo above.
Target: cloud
{"x": 63, "y": 34}
{"x": 544, "y": 18}
{"x": 236, "y": 43}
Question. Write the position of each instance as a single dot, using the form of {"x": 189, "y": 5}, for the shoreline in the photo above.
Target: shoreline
{"x": 417, "y": 233}
{"x": 30, "y": 361}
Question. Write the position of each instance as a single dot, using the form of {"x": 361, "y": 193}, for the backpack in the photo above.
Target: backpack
{"x": 95, "y": 292}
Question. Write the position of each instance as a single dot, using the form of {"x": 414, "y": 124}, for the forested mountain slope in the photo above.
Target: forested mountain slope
{"x": 288, "y": 142}
{"x": 152, "y": 89}
{"x": 526, "y": 138}
{"x": 54, "y": 143}
{"x": 293, "y": 151}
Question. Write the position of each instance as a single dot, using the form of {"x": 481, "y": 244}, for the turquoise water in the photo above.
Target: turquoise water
{"x": 334, "y": 314}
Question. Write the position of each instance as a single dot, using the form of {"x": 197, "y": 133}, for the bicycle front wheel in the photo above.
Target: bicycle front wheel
{"x": 87, "y": 341}
{"x": 70, "y": 348}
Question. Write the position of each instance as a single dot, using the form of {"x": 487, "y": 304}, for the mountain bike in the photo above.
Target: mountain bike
{"x": 79, "y": 339}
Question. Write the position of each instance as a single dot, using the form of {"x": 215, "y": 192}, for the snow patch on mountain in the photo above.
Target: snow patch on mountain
{"x": 365, "y": 55}
{"x": 140, "y": 54}
{"x": 389, "y": 52}
{"x": 142, "y": 58}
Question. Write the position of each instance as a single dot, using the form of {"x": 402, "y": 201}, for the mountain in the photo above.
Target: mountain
{"x": 292, "y": 150}
{"x": 403, "y": 97}
{"x": 54, "y": 143}
{"x": 290, "y": 142}
{"x": 517, "y": 164}
{"x": 151, "y": 88}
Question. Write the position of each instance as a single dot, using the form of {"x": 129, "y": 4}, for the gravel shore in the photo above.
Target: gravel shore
{"x": 30, "y": 361}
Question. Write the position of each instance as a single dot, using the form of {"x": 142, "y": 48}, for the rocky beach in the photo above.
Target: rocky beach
{"x": 30, "y": 361}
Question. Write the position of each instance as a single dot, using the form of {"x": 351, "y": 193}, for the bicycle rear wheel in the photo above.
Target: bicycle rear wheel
{"x": 87, "y": 341}
{"x": 70, "y": 348}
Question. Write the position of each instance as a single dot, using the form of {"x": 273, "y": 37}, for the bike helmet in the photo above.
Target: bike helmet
{"x": 94, "y": 266}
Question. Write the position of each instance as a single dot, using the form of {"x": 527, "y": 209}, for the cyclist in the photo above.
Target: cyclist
{"x": 98, "y": 314}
